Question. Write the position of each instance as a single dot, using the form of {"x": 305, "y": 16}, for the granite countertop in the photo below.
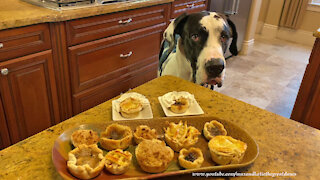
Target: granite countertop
{"x": 16, "y": 13}
{"x": 285, "y": 145}
{"x": 317, "y": 33}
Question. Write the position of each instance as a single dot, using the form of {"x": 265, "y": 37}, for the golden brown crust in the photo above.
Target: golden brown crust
{"x": 116, "y": 136}
{"x": 191, "y": 158}
{"x": 86, "y": 161}
{"x": 180, "y": 136}
{"x": 180, "y": 106}
{"x": 143, "y": 132}
{"x": 130, "y": 107}
{"x": 118, "y": 161}
{"x": 83, "y": 136}
{"x": 226, "y": 150}
{"x": 153, "y": 155}
{"x": 213, "y": 128}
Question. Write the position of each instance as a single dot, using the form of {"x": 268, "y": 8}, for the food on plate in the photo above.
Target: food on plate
{"x": 116, "y": 136}
{"x": 191, "y": 158}
{"x": 83, "y": 136}
{"x": 177, "y": 102}
{"x": 130, "y": 107}
{"x": 153, "y": 156}
{"x": 143, "y": 132}
{"x": 180, "y": 136}
{"x": 212, "y": 129}
{"x": 118, "y": 161}
{"x": 86, "y": 161}
{"x": 226, "y": 150}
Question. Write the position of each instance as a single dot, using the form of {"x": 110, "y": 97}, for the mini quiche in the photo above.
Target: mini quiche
{"x": 212, "y": 129}
{"x": 226, "y": 150}
{"x": 181, "y": 105}
{"x": 191, "y": 158}
{"x": 143, "y": 132}
{"x": 86, "y": 161}
{"x": 116, "y": 136}
{"x": 118, "y": 161}
{"x": 153, "y": 156}
{"x": 180, "y": 136}
{"x": 130, "y": 107}
{"x": 83, "y": 136}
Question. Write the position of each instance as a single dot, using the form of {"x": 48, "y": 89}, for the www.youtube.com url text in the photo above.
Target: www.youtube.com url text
{"x": 235, "y": 174}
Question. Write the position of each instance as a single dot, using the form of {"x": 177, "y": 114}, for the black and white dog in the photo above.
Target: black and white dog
{"x": 193, "y": 48}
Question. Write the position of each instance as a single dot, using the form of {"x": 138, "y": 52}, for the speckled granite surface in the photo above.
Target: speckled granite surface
{"x": 285, "y": 145}
{"x": 16, "y": 13}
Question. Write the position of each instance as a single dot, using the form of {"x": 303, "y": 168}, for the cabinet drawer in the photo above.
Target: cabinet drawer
{"x": 88, "y": 29}
{"x": 25, "y": 40}
{"x": 110, "y": 89}
{"x": 187, "y": 6}
{"x": 96, "y": 62}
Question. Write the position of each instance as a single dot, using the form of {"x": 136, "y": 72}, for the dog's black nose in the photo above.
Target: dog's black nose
{"x": 214, "y": 67}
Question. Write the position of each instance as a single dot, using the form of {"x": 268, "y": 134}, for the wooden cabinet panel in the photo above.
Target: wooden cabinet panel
{"x": 110, "y": 89}
{"x": 4, "y": 134}
{"x": 187, "y": 6}
{"x": 29, "y": 95}
{"x": 99, "y": 61}
{"x": 25, "y": 40}
{"x": 88, "y": 29}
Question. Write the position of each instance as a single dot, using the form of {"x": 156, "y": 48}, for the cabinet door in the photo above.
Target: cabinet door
{"x": 4, "y": 134}
{"x": 29, "y": 94}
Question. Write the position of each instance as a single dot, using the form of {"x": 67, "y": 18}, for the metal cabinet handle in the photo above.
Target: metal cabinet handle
{"x": 1, "y": 45}
{"x": 190, "y": 5}
{"x": 4, "y": 71}
{"x": 126, "y": 55}
{"x": 125, "y": 21}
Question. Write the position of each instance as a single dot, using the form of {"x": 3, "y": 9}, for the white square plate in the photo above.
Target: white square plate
{"x": 194, "y": 109}
{"x": 146, "y": 113}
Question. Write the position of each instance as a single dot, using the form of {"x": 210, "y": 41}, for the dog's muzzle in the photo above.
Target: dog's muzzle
{"x": 214, "y": 68}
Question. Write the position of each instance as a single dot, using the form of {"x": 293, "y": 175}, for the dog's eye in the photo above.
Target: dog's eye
{"x": 223, "y": 38}
{"x": 195, "y": 37}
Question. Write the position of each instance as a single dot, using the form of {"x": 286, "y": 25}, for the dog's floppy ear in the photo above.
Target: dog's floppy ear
{"x": 233, "y": 46}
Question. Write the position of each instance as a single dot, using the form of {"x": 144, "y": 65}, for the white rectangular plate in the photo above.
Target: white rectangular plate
{"x": 146, "y": 113}
{"x": 194, "y": 109}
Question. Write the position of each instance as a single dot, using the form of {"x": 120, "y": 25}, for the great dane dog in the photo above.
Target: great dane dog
{"x": 193, "y": 48}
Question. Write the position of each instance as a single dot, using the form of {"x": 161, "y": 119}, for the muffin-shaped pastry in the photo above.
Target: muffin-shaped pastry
{"x": 130, "y": 107}
{"x": 143, "y": 132}
{"x": 192, "y": 158}
{"x": 212, "y": 129}
{"x": 181, "y": 105}
{"x": 180, "y": 136}
{"x": 116, "y": 136}
{"x": 226, "y": 150}
{"x": 83, "y": 136}
{"x": 86, "y": 161}
{"x": 154, "y": 156}
{"x": 118, "y": 161}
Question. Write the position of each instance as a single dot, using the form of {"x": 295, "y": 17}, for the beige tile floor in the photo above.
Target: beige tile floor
{"x": 269, "y": 77}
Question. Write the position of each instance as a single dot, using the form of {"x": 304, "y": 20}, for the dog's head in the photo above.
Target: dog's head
{"x": 203, "y": 41}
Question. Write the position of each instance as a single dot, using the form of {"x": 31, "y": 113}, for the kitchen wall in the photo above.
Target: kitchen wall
{"x": 268, "y": 22}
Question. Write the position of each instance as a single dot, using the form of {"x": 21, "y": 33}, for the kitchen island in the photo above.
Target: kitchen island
{"x": 284, "y": 145}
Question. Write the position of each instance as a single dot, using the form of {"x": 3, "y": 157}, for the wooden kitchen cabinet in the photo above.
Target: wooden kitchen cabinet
{"x": 187, "y": 6}
{"x": 28, "y": 92}
{"x": 4, "y": 134}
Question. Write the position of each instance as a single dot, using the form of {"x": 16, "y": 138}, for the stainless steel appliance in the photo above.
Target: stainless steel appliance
{"x": 238, "y": 12}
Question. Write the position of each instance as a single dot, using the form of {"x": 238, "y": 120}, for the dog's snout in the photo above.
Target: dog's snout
{"x": 214, "y": 67}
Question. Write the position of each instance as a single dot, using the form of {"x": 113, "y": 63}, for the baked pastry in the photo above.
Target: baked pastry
{"x": 213, "y": 128}
{"x": 191, "y": 158}
{"x": 83, "y": 136}
{"x": 118, "y": 161}
{"x": 180, "y": 136}
{"x": 130, "y": 107}
{"x": 116, "y": 136}
{"x": 226, "y": 150}
{"x": 143, "y": 132}
{"x": 86, "y": 161}
{"x": 153, "y": 156}
{"x": 181, "y": 105}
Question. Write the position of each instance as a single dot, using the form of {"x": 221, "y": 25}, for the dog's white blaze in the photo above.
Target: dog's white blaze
{"x": 212, "y": 48}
